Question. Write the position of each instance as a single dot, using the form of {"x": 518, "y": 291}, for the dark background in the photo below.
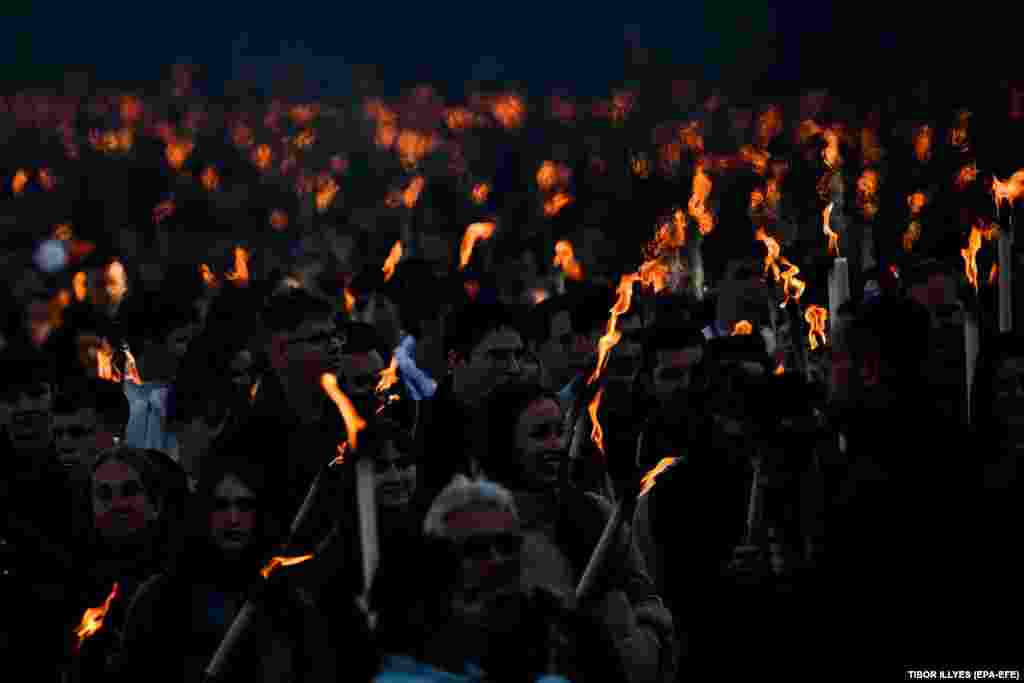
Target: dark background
{"x": 578, "y": 46}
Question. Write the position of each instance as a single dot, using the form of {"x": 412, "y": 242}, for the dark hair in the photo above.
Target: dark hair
{"x": 140, "y": 460}
{"x": 664, "y": 337}
{"x": 502, "y": 409}
{"x": 255, "y": 476}
{"x": 466, "y": 327}
{"x": 897, "y": 328}
{"x": 73, "y": 398}
{"x": 287, "y": 310}
{"x": 22, "y": 365}
{"x": 112, "y": 406}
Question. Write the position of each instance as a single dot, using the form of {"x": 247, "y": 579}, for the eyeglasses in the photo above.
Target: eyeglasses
{"x": 482, "y": 546}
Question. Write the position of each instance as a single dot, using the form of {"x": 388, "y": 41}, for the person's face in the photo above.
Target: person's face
{"x": 121, "y": 506}
{"x": 1009, "y": 398}
{"x": 74, "y": 435}
{"x": 312, "y": 349}
{"x": 494, "y": 361}
{"x": 396, "y": 477}
{"x": 28, "y": 414}
{"x": 489, "y": 544}
{"x": 241, "y": 370}
{"x": 115, "y": 283}
{"x": 540, "y": 441}
{"x": 671, "y": 372}
{"x": 361, "y": 373}
{"x": 233, "y": 519}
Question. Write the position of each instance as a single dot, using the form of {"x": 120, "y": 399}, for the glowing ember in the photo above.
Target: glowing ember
{"x": 240, "y": 273}
{"x": 596, "y": 432}
{"x": 474, "y": 233}
{"x": 779, "y": 370}
{"x": 480, "y": 193}
{"x": 353, "y": 422}
{"x": 565, "y": 259}
{"x": 967, "y": 174}
{"x": 92, "y": 619}
{"x": 911, "y": 235}
{"x": 547, "y": 176}
{"x": 917, "y": 201}
{"x": 277, "y": 562}
{"x": 816, "y": 317}
{"x": 388, "y": 376}
{"x": 411, "y": 194}
{"x": 742, "y": 328}
{"x": 556, "y": 203}
{"x": 648, "y": 480}
{"x": 833, "y": 237}
{"x": 392, "y": 261}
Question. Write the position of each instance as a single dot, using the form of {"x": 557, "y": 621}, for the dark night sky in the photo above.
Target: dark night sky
{"x": 540, "y": 44}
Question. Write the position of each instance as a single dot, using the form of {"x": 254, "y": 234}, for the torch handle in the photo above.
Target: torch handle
{"x": 599, "y": 558}
{"x": 366, "y": 501}
{"x": 753, "y": 504}
{"x": 239, "y": 627}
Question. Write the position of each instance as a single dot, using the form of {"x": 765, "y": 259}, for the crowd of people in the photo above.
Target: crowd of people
{"x": 437, "y": 473}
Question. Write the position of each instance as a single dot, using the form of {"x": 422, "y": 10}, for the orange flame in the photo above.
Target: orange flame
{"x": 508, "y": 110}
{"x": 475, "y": 232}
{"x": 278, "y": 220}
{"x": 565, "y": 259}
{"x": 413, "y": 146}
{"x": 779, "y": 370}
{"x": 648, "y": 480}
{"x": 967, "y": 174}
{"x": 177, "y": 152}
{"x": 326, "y": 191}
{"x": 1008, "y": 191}
{"x": 349, "y": 302}
{"x": 816, "y": 317}
{"x": 80, "y": 286}
{"x": 92, "y": 619}
{"x": 547, "y": 176}
{"x": 47, "y": 180}
{"x": 163, "y": 210}
{"x": 19, "y": 181}
{"x": 263, "y": 157}
{"x": 701, "y": 188}
{"x": 792, "y": 286}
{"x": 480, "y": 193}
{"x": 353, "y": 422}
{"x": 210, "y": 179}
{"x": 392, "y": 261}
{"x": 993, "y": 275}
{"x": 833, "y": 237}
{"x": 339, "y": 458}
{"x": 911, "y": 235}
{"x": 240, "y": 273}
{"x": 916, "y": 201}
{"x": 742, "y": 328}
{"x": 388, "y": 376}
{"x": 654, "y": 274}
{"x": 62, "y": 232}
{"x": 277, "y": 562}
{"x": 105, "y": 362}
{"x": 771, "y": 260}
{"x": 209, "y": 279}
{"x": 411, "y": 194}
{"x": 305, "y": 139}
{"x": 596, "y": 432}
{"x": 556, "y": 203}
{"x": 970, "y": 254}
{"x": 608, "y": 341}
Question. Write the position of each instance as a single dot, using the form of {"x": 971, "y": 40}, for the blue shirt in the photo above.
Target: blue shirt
{"x": 402, "y": 669}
